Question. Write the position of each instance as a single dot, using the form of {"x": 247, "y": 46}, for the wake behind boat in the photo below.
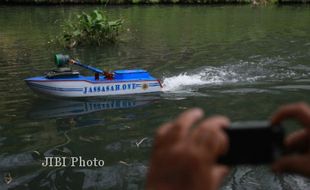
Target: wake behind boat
{"x": 65, "y": 82}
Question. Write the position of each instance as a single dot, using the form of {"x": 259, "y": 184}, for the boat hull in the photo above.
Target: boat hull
{"x": 88, "y": 87}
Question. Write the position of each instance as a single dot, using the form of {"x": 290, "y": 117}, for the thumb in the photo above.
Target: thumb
{"x": 296, "y": 163}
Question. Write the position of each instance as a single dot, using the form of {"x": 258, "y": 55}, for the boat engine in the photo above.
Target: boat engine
{"x": 62, "y": 71}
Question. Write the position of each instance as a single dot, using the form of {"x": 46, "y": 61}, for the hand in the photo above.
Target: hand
{"x": 299, "y": 140}
{"x": 186, "y": 159}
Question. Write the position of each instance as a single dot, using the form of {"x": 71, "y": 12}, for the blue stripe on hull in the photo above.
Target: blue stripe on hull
{"x": 55, "y": 89}
{"x": 74, "y": 89}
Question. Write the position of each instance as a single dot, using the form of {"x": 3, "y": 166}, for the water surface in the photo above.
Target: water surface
{"x": 239, "y": 61}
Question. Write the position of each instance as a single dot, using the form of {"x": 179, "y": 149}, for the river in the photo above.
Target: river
{"x": 238, "y": 61}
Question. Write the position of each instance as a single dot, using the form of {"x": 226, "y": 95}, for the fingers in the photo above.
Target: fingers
{"x": 297, "y": 139}
{"x": 185, "y": 121}
{"x": 299, "y": 111}
{"x": 180, "y": 157}
{"x": 163, "y": 130}
{"x": 216, "y": 122}
{"x": 210, "y": 137}
{"x": 171, "y": 132}
{"x": 296, "y": 163}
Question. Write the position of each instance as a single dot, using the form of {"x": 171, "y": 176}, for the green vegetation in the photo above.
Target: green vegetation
{"x": 254, "y": 2}
{"x": 93, "y": 28}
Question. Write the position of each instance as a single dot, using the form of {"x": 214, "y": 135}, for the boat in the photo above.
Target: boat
{"x": 66, "y": 82}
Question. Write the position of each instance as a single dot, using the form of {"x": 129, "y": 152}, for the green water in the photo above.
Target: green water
{"x": 239, "y": 61}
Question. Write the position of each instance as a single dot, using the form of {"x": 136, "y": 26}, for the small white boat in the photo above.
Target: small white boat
{"x": 67, "y": 83}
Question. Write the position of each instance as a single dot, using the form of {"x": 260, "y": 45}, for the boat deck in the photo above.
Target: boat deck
{"x": 119, "y": 76}
{"x": 90, "y": 79}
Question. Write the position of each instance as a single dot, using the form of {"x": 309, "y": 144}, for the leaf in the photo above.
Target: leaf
{"x": 76, "y": 33}
{"x": 97, "y": 15}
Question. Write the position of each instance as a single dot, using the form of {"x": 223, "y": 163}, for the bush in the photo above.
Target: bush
{"x": 93, "y": 28}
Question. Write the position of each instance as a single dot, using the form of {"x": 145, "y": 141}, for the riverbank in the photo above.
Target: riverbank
{"x": 115, "y": 2}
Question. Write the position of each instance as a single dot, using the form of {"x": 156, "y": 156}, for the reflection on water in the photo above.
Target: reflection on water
{"x": 68, "y": 115}
{"x": 53, "y": 108}
{"x": 110, "y": 177}
{"x": 247, "y": 177}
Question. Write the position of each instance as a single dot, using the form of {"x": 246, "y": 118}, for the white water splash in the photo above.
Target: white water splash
{"x": 243, "y": 72}
{"x": 176, "y": 82}
{"x": 209, "y": 75}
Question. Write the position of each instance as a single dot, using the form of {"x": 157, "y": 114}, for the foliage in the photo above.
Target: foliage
{"x": 93, "y": 28}
{"x": 264, "y": 2}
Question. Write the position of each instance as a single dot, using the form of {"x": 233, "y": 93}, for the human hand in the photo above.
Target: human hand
{"x": 297, "y": 141}
{"x": 186, "y": 159}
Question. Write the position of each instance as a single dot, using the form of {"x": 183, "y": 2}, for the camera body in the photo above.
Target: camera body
{"x": 253, "y": 142}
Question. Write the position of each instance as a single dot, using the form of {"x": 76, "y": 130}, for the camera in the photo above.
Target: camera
{"x": 253, "y": 142}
